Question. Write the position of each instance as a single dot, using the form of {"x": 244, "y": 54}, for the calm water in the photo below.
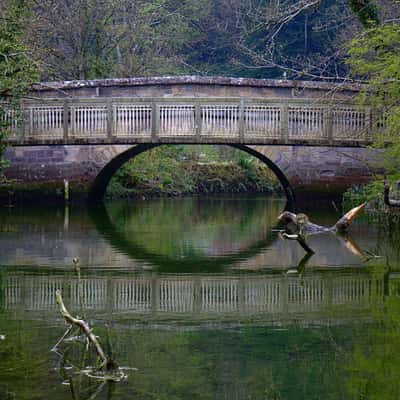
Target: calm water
{"x": 203, "y": 298}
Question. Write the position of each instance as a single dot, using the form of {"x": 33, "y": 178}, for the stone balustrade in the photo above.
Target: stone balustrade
{"x": 122, "y": 120}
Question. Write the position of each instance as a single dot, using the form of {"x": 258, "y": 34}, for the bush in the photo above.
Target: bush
{"x": 166, "y": 172}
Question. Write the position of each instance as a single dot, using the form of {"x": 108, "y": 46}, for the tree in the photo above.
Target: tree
{"x": 375, "y": 59}
{"x": 87, "y": 39}
{"x": 17, "y": 71}
{"x": 297, "y": 39}
{"x": 366, "y": 11}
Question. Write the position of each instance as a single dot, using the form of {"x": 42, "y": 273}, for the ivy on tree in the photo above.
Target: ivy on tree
{"x": 366, "y": 11}
{"x": 17, "y": 71}
{"x": 375, "y": 58}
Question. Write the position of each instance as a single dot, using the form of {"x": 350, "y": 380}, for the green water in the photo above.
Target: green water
{"x": 198, "y": 299}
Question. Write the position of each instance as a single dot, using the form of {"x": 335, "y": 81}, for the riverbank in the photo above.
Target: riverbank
{"x": 192, "y": 178}
{"x": 36, "y": 193}
{"x": 373, "y": 195}
{"x": 176, "y": 171}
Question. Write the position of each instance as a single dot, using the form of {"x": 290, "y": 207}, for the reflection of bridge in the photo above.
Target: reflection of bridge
{"x": 147, "y": 112}
{"x": 274, "y": 297}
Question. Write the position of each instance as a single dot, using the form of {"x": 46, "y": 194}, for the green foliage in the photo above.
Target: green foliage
{"x": 177, "y": 170}
{"x": 366, "y": 11}
{"x": 17, "y": 71}
{"x": 375, "y": 365}
{"x": 246, "y": 162}
{"x": 155, "y": 171}
{"x": 372, "y": 192}
{"x": 116, "y": 38}
{"x": 375, "y": 57}
{"x": 253, "y": 38}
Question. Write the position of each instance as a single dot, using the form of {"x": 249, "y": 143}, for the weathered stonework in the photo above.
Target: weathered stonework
{"x": 195, "y": 86}
{"x": 308, "y": 170}
{"x": 322, "y": 170}
{"x": 79, "y": 164}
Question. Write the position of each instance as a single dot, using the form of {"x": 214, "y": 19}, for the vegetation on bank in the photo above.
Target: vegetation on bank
{"x": 375, "y": 58}
{"x": 185, "y": 170}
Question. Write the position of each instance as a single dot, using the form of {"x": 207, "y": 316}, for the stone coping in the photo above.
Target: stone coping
{"x": 198, "y": 80}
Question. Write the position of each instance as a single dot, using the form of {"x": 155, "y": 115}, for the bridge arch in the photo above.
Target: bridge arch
{"x": 102, "y": 179}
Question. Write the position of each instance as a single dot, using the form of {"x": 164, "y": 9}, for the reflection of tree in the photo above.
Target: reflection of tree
{"x": 189, "y": 362}
{"x": 80, "y": 385}
{"x": 218, "y": 225}
{"x": 375, "y": 363}
{"x": 248, "y": 363}
{"x": 301, "y": 266}
{"x": 121, "y": 231}
{"x": 388, "y": 242}
{"x": 20, "y": 361}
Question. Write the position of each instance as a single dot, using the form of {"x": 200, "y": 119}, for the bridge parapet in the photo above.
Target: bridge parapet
{"x": 122, "y": 120}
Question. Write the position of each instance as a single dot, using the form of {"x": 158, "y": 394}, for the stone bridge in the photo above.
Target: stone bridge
{"x": 311, "y": 134}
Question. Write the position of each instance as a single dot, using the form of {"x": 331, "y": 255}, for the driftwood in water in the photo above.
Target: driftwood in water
{"x": 106, "y": 362}
{"x": 302, "y": 227}
{"x": 386, "y": 196}
{"x": 343, "y": 224}
{"x": 300, "y": 220}
{"x": 301, "y": 240}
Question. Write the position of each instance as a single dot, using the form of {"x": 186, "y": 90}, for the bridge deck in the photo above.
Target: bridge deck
{"x": 191, "y": 120}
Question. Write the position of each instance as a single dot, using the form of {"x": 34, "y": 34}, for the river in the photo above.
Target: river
{"x": 198, "y": 298}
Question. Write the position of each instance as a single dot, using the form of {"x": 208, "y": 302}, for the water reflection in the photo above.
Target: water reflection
{"x": 203, "y": 298}
{"x": 273, "y": 298}
{"x": 374, "y": 364}
{"x": 193, "y": 235}
{"x": 327, "y": 335}
{"x": 183, "y": 235}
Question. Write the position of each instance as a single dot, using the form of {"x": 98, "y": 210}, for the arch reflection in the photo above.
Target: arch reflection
{"x": 199, "y": 235}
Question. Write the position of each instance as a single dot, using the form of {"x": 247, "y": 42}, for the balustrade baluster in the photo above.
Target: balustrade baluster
{"x": 241, "y": 121}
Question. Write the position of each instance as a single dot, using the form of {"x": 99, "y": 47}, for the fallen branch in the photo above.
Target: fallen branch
{"x": 106, "y": 362}
{"x": 344, "y": 222}
{"x": 305, "y": 227}
{"x": 66, "y": 333}
{"x": 300, "y": 239}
